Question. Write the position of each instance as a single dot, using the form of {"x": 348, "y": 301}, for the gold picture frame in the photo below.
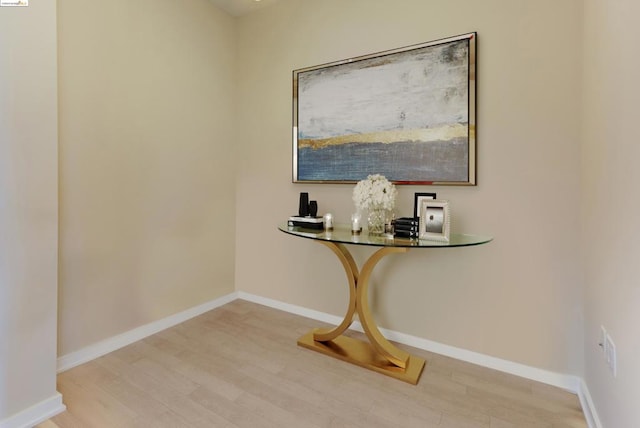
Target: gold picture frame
{"x": 407, "y": 113}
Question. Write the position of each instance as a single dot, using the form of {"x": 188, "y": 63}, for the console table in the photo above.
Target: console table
{"x": 379, "y": 354}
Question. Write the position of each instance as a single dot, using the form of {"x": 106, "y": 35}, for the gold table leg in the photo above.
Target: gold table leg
{"x": 379, "y": 354}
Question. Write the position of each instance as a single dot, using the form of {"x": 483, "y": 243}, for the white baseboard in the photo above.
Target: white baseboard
{"x": 567, "y": 382}
{"x": 35, "y": 414}
{"x": 588, "y": 407}
{"x": 292, "y": 309}
{"x": 111, "y": 344}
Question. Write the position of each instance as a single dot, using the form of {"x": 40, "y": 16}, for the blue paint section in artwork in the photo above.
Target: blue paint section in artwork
{"x": 404, "y": 161}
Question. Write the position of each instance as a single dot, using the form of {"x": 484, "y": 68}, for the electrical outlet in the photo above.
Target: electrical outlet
{"x": 611, "y": 355}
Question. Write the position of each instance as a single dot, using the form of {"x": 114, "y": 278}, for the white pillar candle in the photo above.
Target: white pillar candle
{"x": 356, "y": 227}
{"x": 328, "y": 221}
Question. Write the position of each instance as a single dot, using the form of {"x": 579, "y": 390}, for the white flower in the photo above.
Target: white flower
{"x": 375, "y": 192}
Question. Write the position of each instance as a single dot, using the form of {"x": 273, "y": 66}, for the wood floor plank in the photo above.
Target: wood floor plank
{"x": 229, "y": 410}
{"x": 47, "y": 424}
{"x": 238, "y": 366}
{"x": 91, "y": 406}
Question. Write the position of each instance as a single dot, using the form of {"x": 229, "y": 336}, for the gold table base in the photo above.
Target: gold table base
{"x": 379, "y": 355}
{"x": 360, "y": 353}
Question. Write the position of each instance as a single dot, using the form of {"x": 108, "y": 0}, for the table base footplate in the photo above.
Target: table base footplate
{"x": 362, "y": 354}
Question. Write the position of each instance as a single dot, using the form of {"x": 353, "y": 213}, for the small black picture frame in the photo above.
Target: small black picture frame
{"x": 417, "y": 198}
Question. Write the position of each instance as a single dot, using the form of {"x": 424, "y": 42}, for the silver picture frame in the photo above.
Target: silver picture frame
{"x": 435, "y": 220}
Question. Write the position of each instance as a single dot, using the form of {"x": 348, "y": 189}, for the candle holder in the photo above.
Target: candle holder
{"x": 356, "y": 223}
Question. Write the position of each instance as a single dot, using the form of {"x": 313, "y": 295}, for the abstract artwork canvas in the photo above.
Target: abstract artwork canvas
{"x": 408, "y": 114}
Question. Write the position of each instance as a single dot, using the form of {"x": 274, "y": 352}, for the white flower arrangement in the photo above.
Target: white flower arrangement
{"x": 374, "y": 192}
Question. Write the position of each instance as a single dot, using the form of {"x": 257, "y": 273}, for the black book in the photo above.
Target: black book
{"x": 407, "y": 227}
{"x": 306, "y": 222}
{"x": 405, "y": 234}
{"x": 405, "y": 224}
{"x": 407, "y": 221}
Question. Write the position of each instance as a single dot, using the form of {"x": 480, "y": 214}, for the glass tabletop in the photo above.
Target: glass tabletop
{"x": 341, "y": 234}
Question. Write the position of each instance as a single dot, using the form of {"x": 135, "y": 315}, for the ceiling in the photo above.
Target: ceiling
{"x": 241, "y": 7}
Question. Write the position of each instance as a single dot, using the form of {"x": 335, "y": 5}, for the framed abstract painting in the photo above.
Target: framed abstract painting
{"x": 408, "y": 114}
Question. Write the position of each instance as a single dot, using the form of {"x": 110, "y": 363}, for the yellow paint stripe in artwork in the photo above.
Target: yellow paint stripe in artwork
{"x": 442, "y": 133}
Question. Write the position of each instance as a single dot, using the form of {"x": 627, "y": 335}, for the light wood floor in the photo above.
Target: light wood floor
{"x": 239, "y": 366}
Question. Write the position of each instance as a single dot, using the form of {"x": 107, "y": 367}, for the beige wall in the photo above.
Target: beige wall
{"x": 28, "y": 206}
{"x": 518, "y": 298}
{"x": 147, "y": 163}
{"x": 610, "y": 208}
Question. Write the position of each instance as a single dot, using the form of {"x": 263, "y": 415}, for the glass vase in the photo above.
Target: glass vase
{"x": 376, "y": 220}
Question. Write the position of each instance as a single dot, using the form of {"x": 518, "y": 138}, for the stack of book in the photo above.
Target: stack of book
{"x": 406, "y": 227}
{"x": 307, "y": 222}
